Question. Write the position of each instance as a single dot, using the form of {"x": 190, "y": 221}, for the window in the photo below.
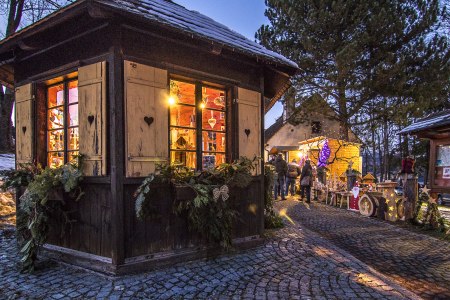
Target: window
{"x": 62, "y": 123}
{"x": 316, "y": 127}
{"x": 197, "y": 125}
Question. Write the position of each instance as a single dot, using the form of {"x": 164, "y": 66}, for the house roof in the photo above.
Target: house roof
{"x": 273, "y": 129}
{"x": 177, "y": 17}
{"x": 431, "y": 121}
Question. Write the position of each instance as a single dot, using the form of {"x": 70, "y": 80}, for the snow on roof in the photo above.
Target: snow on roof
{"x": 431, "y": 121}
{"x": 192, "y": 22}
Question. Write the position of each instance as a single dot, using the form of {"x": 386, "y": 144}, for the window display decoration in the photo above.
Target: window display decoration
{"x": 62, "y": 123}
{"x": 195, "y": 115}
{"x": 212, "y": 121}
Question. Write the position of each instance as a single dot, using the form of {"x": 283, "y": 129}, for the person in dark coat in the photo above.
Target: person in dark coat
{"x": 305, "y": 181}
{"x": 281, "y": 169}
{"x": 291, "y": 177}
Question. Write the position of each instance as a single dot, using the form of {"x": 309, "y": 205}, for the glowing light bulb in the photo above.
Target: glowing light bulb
{"x": 202, "y": 105}
{"x": 171, "y": 100}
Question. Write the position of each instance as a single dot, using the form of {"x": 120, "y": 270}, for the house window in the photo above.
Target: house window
{"x": 62, "y": 123}
{"x": 316, "y": 127}
{"x": 197, "y": 125}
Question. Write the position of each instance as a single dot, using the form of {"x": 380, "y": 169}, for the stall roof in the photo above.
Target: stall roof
{"x": 431, "y": 121}
{"x": 175, "y": 16}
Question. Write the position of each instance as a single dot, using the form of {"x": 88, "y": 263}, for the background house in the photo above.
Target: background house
{"x": 301, "y": 132}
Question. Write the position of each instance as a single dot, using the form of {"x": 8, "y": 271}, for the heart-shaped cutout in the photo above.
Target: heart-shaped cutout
{"x": 247, "y": 132}
{"x": 24, "y": 129}
{"x": 148, "y": 120}
{"x": 91, "y": 119}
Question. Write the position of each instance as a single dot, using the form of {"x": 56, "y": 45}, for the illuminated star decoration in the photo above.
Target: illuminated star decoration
{"x": 425, "y": 190}
{"x": 431, "y": 200}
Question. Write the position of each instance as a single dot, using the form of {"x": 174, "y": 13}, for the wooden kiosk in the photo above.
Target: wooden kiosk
{"x": 436, "y": 128}
{"x": 129, "y": 84}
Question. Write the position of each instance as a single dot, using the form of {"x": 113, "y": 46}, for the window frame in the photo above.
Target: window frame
{"x": 199, "y": 131}
{"x": 66, "y": 128}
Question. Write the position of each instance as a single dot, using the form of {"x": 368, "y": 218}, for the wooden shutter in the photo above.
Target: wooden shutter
{"x": 146, "y": 118}
{"x": 92, "y": 118}
{"x": 24, "y": 124}
{"x": 249, "y": 124}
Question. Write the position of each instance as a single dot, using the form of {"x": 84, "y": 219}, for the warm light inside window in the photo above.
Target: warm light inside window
{"x": 186, "y": 121}
{"x": 62, "y": 123}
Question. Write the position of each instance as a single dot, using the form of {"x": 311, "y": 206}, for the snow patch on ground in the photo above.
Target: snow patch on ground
{"x": 7, "y": 161}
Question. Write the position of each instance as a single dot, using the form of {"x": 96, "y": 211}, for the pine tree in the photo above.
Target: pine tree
{"x": 355, "y": 53}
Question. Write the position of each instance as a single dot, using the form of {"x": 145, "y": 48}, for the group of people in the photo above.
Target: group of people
{"x": 286, "y": 176}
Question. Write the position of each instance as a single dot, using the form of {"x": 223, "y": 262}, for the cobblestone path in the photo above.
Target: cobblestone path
{"x": 294, "y": 263}
{"x": 416, "y": 261}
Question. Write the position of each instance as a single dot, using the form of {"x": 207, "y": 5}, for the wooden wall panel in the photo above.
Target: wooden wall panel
{"x": 24, "y": 123}
{"x": 168, "y": 232}
{"x": 90, "y": 230}
{"x": 249, "y": 122}
{"x": 92, "y": 118}
{"x": 146, "y": 118}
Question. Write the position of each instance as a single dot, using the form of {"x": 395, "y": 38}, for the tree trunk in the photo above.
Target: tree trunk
{"x": 374, "y": 155}
{"x": 7, "y": 97}
{"x": 380, "y": 159}
{"x": 6, "y": 125}
{"x": 385, "y": 148}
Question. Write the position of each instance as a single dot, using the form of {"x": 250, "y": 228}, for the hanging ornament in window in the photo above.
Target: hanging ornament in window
{"x": 212, "y": 122}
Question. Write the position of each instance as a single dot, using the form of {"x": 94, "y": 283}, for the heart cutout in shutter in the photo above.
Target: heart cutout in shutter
{"x": 24, "y": 129}
{"x": 148, "y": 120}
{"x": 247, "y": 132}
{"x": 91, "y": 119}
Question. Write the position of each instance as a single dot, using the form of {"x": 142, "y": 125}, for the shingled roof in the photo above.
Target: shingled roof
{"x": 179, "y": 18}
{"x": 431, "y": 121}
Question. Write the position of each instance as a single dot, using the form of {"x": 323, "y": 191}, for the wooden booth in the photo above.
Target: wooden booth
{"x": 435, "y": 128}
{"x": 130, "y": 84}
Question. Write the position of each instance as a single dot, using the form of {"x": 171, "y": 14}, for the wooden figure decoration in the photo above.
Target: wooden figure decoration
{"x": 354, "y": 199}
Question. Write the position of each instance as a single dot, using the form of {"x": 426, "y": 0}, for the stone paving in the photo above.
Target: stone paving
{"x": 416, "y": 261}
{"x": 294, "y": 263}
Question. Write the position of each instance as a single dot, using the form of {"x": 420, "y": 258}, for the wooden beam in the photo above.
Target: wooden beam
{"x": 116, "y": 145}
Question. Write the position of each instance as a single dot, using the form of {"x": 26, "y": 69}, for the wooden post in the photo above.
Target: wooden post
{"x": 116, "y": 144}
{"x": 410, "y": 196}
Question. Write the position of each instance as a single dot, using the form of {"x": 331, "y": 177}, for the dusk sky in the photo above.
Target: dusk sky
{"x": 241, "y": 16}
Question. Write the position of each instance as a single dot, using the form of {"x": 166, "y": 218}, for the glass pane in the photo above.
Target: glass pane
{"x": 55, "y": 140}
{"x": 73, "y": 114}
{"x": 188, "y": 159}
{"x": 213, "y": 98}
{"x": 73, "y": 91}
{"x": 181, "y": 115}
{"x": 72, "y": 156}
{"x": 213, "y": 120}
{"x": 182, "y": 92}
{"x": 213, "y": 141}
{"x": 55, "y": 159}
{"x": 73, "y": 139}
{"x": 211, "y": 160}
{"x": 184, "y": 139}
{"x": 55, "y": 95}
{"x": 443, "y": 156}
{"x": 55, "y": 118}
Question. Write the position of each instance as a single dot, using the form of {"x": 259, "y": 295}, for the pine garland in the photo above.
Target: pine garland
{"x": 210, "y": 215}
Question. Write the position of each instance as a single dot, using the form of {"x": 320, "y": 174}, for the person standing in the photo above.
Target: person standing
{"x": 281, "y": 169}
{"x": 305, "y": 181}
{"x": 292, "y": 175}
